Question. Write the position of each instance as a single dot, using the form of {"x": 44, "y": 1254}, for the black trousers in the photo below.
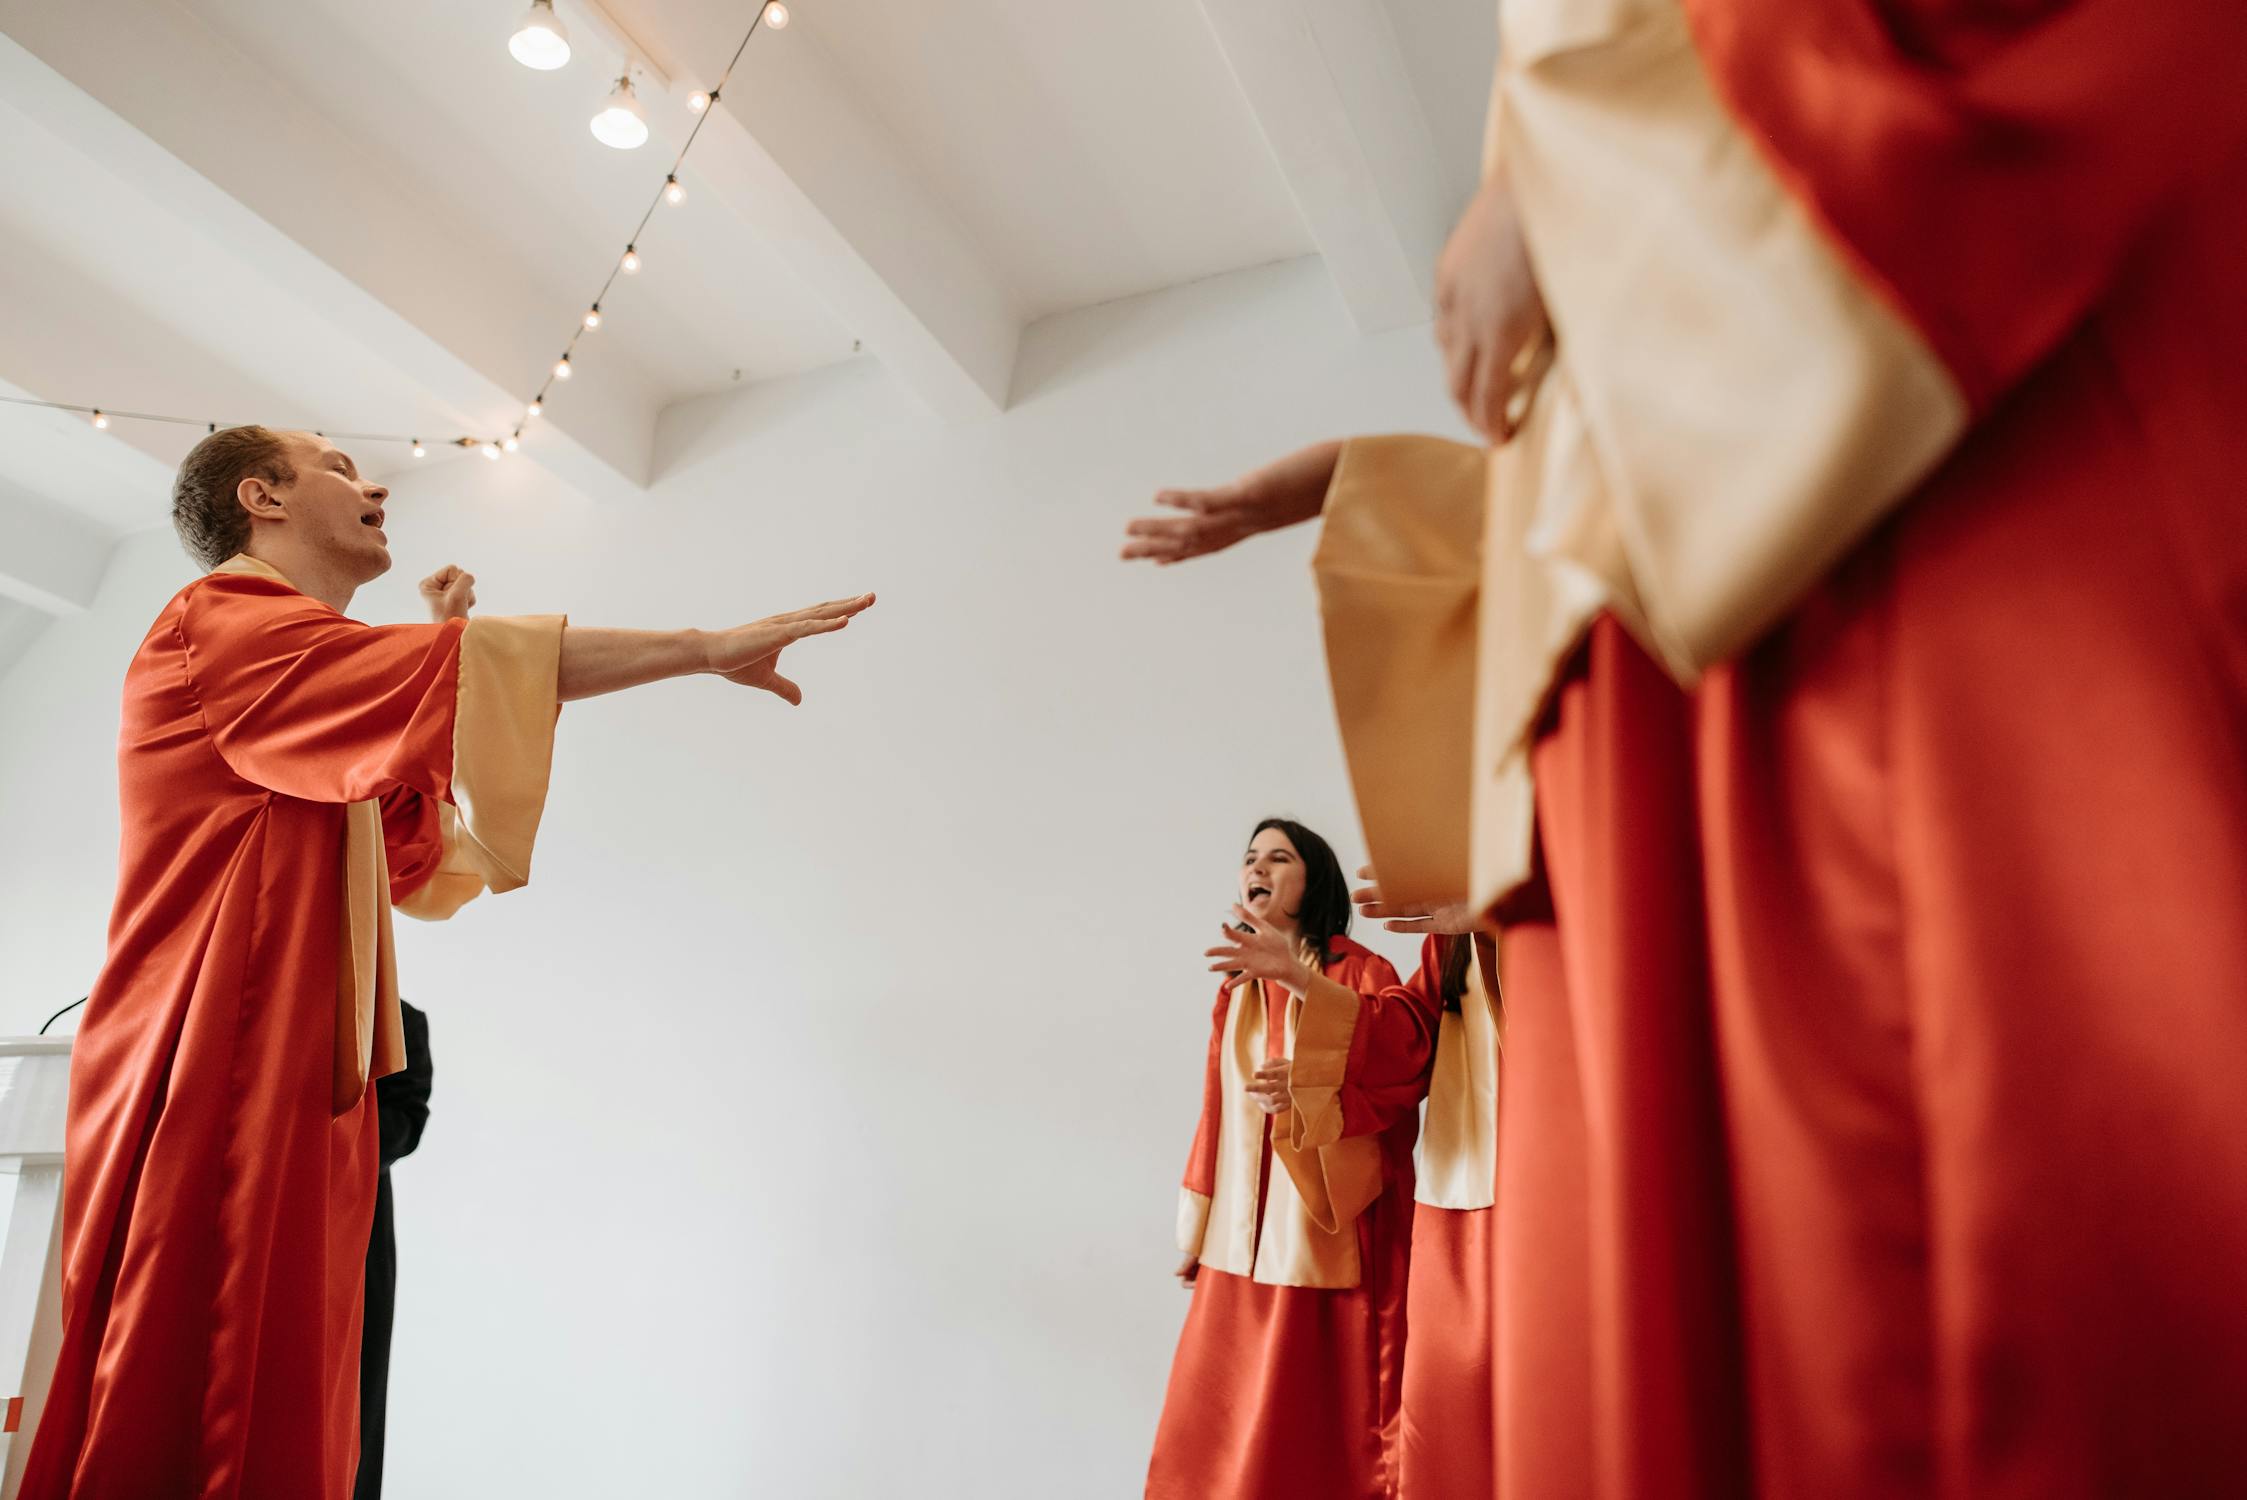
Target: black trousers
{"x": 374, "y": 1343}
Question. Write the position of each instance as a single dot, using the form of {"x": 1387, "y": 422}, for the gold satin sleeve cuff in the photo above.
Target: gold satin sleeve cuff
{"x": 1398, "y": 568}
{"x": 457, "y": 880}
{"x": 1322, "y": 1053}
{"x": 503, "y": 744}
{"x": 1193, "y": 1221}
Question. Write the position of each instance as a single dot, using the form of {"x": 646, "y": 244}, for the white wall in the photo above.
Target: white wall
{"x": 811, "y": 1125}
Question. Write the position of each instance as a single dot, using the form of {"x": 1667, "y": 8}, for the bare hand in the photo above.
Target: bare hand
{"x": 1450, "y": 917}
{"x": 1282, "y": 493}
{"x": 1490, "y": 318}
{"x": 1187, "y": 1270}
{"x": 1258, "y": 953}
{"x": 449, "y": 593}
{"x": 1269, "y": 1087}
{"x": 749, "y": 654}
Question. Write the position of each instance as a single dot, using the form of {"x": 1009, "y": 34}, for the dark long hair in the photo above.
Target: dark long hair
{"x": 1458, "y": 952}
{"x": 1325, "y": 914}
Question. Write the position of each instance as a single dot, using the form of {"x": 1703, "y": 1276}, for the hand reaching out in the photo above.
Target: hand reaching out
{"x": 1280, "y": 494}
{"x": 450, "y": 593}
{"x": 1246, "y": 951}
{"x": 1453, "y": 917}
{"x": 749, "y": 655}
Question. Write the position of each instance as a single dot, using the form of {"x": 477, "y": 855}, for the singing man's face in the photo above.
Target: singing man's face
{"x": 335, "y": 511}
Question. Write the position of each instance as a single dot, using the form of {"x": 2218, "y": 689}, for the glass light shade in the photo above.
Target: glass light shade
{"x": 540, "y": 41}
{"x": 621, "y": 124}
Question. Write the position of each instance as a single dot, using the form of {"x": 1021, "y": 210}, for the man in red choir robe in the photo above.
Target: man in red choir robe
{"x": 1867, "y": 537}
{"x": 286, "y": 773}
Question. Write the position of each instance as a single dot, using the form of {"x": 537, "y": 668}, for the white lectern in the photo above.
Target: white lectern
{"x": 34, "y": 1095}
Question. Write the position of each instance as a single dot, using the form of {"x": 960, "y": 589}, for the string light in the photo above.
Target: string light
{"x": 510, "y": 443}
{"x": 622, "y": 123}
{"x": 540, "y": 41}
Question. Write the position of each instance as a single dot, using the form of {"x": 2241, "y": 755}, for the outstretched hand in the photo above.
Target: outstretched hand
{"x": 749, "y": 655}
{"x": 1282, "y": 493}
{"x": 450, "y": 593}
{"x": 1246, "y": 951}
{"x": 1452, "y": 917}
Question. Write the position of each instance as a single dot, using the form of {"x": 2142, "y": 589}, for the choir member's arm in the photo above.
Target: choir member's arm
{"x": 302, "y": 701}
{"x": 1362, "y": 1053}
{"x": 1283, "y": 493}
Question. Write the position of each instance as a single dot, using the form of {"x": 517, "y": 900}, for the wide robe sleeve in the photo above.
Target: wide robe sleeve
{"x": 1361, "y": 1060}
{"x": 1991, "y": 168}
{"x": 435, "y": 740}
{"x": 432, "y": 721}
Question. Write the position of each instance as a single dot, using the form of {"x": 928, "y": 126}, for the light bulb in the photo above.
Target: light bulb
{"x": 562, "y": 368}
{"x": 776, "y": 16}
{"x": 631, "y": 261}
{"x": 510, "y": 443}
{"x": 539, "y": 40}
{"x": 536, "y": 409}
{"x": 672, "y": 192}
{"x": 491, "y": 451}
{"x": 593, "y": 316}
{"x": 100, "y": 420}
{"x": 419, "y": 451}
{"x": 621, "y": 124}
{"x": 698, "y": 101}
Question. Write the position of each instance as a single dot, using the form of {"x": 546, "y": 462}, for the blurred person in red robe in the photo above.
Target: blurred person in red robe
{"x": 286, "y": 774}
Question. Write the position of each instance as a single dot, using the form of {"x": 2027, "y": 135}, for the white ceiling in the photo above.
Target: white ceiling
{"x": 357, "y": 216}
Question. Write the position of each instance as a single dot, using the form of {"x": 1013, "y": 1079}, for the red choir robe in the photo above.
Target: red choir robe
{"x": 284, "y": 773}
{"x": 1288, "y": 1372}
{"x": 1873, "y": 969}
{"x": 1447, "y": 1433}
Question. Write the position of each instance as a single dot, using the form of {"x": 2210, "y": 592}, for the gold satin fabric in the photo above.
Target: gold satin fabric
{"x": 1311, "y": 1206}
{"x": 1729, "y": 411}
{"x": 1458, "y": 1156}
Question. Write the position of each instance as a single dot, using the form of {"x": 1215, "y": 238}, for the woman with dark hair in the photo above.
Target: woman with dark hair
{"x": 1296, "y": 1215}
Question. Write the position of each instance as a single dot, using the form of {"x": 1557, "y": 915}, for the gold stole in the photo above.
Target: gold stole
{"x": 1458, "y": 1166}
{"x": 1310, "y": 1207}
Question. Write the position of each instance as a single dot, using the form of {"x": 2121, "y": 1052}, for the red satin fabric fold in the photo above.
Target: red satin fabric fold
{"x": 215, "y": 1217}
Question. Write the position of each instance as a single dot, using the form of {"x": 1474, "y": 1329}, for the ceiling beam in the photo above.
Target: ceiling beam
{"x": 324, "y": 217}
{"x": 1329, "y": 88}
{"x": 824, "y": 184}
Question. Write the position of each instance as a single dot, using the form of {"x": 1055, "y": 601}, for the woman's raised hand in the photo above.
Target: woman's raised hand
{"x": 1246, "y": 951}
